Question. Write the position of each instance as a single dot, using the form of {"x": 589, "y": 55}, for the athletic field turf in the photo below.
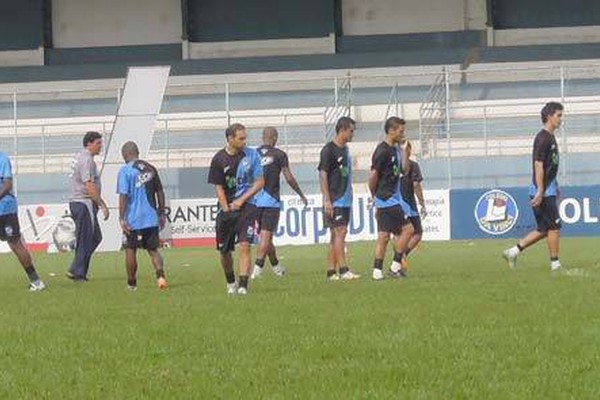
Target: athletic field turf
{"x": 461, "y": 326}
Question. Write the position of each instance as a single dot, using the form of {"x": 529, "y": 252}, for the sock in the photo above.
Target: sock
{"x": 230, "y": 277}
{"x": 160, "y": 273}
{"x": 378, "y": 264}
{"x": 259, "y": 262}
{"x": 407, "y": 252}
{"x": 330, "y": 272}
{"x": 273, "y": 260}
{"x": 554, "y": 263}
{"x": 32, "y": 274}
{"x": 132, "y": 282}
{"x": 398, "y": 257}
{"x": 343, "y": 270}
{"x": 519, "y": 247}
{"x": 243, "y": 281}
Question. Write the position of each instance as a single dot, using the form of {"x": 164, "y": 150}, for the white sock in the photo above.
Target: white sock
{"x": 396, "y": 266}
{"x": 555, "y": 264}
{"x": 514, "y": 251}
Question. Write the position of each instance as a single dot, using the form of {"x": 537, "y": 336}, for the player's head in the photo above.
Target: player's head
{"x": 344, "y": 128}
{"x": 130, "y": 151}
{"x": 552, "y": 114}
{"x": 270, "y": 136}
{"x": 92, "y": 141}
{"x": 236, "y": 136}
{"x": 394, "y": 129}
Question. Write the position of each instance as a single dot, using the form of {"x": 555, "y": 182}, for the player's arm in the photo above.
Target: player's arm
{"x": 7, "y": 186}
{"x": 123, "y": 213}
{"x": 324, "y": 166}
{"x": 258, "y": 184}
{"x": 160, "y": 201}
{"x": 291, "y": 180}
{"x": 373, "y": 180}
{"x": 419, "y": 193}
{"x": 222, "y": 198}
{"x": 406, "y": 151}
{"x": 538, "y": 167}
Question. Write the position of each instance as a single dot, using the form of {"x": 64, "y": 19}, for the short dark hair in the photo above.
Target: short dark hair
{"x": 344, "y": 123}
{"x": 90, "y": 136}
{"x": 550, "y": 109}
{"x": 232, "y": 129}
{"x": 393, "y": 122}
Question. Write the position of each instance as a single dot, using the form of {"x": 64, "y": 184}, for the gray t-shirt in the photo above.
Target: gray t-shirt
{"x": 83, "y": 169}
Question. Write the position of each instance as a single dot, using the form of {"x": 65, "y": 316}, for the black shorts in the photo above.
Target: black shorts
{"x": 235, "y": 227}
{"x": 268, "y": 218}
{"x": 341, "y": 217}
{"x": 416, "y": 223}
{"x": 10, "y": 230}
{"x": 546, "y": 215}
{"x": 147, "y": 239}
{"x": 390, "y": 219}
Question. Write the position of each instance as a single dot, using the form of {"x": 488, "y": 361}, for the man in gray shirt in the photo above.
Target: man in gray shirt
{"x": 84, "y": 204}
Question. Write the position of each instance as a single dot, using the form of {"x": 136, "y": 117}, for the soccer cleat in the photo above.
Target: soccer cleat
{"x": 555, "y": 266}
{"x": 256, "y": 272}
{"x": 279, "y": 270}
{"x": 377, "y": 274}
{"x": 131, "y": 288}
{"x": 401, "y": 273}
{"x": 161, "y": 283}
{"x": 349, "y": 275}
{"x": 510, "y": 257}
{"x": 37, "y": 286}
{"x": 334, "y": 277}
{"x": 231, "y": 288}
{"x": 242, "y": 291}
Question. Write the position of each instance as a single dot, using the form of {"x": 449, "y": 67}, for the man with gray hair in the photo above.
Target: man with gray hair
{"x": 141, "y": 213}
{"x": 85, "y": 201}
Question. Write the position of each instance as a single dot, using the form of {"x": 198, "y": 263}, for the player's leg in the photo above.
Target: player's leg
{"x": 264, "y": 243}
{"x": 11, "y": 232}
{"x": 246, "y": 235}
{"x": 401, "y": 241}
{"x": 553, "y": 223}
{"x": 383, "y": 237}
{"x": 278, "y": 269}
{"x": 553, "y": 248}
{"x": 414, "y": 241}
{"x": 131, "y": 266}
{"x": 331, "y": 259}
{"x": 84, "y": 243}
{"x": 96, "y": 239}
{"x": 225, "y": 235}
{"x": 543, "y": 224}
{"x": 151, "y": 242}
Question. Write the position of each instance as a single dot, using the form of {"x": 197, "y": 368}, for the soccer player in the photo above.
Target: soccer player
{"x": 238, "y": 176}
{"x": 10, "y": 230}
{"x": 543, "y": 191}
{"x": 335, "y": 173}
{"x": 141, "y": 213}
{"x": 411, "y": 187}
{"x": 86, "y": 200}
{"x": 274, "y": 162}
{"x": 387, "y": 164}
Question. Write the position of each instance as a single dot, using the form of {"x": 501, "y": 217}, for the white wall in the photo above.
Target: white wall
{"x": 374, "y": 17}
{"x": 92, "y": 23}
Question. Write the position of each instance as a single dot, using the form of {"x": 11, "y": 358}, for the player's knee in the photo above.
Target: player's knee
{"x": 383, "y": 236}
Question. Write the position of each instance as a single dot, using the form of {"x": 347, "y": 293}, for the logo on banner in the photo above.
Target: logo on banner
{"x": 496, "y": 212}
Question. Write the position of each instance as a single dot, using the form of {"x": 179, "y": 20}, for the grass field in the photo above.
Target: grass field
{"x": 462, "y": 326}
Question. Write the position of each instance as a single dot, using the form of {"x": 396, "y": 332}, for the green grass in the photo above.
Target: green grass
{"x": 462, "y": 326}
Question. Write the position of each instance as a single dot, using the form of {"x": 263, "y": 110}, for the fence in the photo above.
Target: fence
{"x": 471, "y": 127}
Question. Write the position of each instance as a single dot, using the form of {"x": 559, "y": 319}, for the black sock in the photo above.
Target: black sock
{"x": 553, "y": 258}
{"x": 406, "y": 253}
{"x": 273, "y": 260}
{"x": 343, "y": 270}
{"x": 230, "y": 277}
{"x": 260, "y": 262}
{"x": 330, "y": 272}
{"x": 132, "y": 282}
{"x": 243, "y": 281}
{"x": 398, "y": 256}
{"x": 32, "y": 274}
{"x": 160, "y": 273}
{"x": 378, "y": 263}
{"x": 519, "y": 247}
